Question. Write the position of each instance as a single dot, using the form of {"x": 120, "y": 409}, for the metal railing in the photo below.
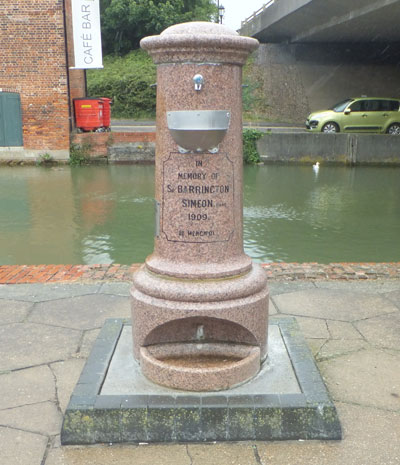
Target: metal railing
{"x": 258, "y": 12}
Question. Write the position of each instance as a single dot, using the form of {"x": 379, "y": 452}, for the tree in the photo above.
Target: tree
{"x": 125, "y": 22}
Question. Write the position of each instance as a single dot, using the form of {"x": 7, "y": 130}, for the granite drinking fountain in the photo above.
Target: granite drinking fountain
{"x": 199, "y": 304}
{"x": 192, "y": 364}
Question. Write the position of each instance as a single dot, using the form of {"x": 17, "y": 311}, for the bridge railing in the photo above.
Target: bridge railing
{"x": 258, "y": 12}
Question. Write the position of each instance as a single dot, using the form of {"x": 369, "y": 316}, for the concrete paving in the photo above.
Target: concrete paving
{"x": 353, "y": 328}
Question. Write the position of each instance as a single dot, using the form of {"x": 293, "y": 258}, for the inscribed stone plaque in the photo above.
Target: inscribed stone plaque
{"x": 197, "y": 203}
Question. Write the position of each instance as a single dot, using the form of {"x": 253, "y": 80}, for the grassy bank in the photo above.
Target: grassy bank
{"x": 127, "y": 80}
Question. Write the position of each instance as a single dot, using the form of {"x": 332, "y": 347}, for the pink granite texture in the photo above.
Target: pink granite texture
{"x": 198, "y": 274}
{"x": 199, "y": 370}
{"x": 171, "y": 310}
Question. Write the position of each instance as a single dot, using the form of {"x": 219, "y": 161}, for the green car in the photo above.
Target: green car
{"x": 360, "y": 114}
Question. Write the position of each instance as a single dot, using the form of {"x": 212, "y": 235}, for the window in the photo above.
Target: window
{"x": 389, "y": 105}
{"x": 358, "y": 105}
{"x": 339, "y": 107}
{"x": 372, "y": 105}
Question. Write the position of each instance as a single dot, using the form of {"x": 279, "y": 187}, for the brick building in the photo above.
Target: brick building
{"x": 36, "y": 84}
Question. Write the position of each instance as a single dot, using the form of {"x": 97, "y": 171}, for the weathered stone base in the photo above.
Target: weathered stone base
{"x": 178, "y": 416}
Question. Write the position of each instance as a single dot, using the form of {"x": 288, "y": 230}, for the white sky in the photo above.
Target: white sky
{"x": 238, "y": 10}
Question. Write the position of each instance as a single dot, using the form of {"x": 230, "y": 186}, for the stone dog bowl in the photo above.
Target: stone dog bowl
{"x": 198, "y": 130}
{"x": 200, "y": 366}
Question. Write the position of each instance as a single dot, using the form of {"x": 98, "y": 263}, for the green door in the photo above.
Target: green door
{"x": 10, "y": 120}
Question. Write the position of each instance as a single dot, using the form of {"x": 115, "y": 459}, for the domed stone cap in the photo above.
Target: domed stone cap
{"x": 199, "y": 42}
{"x": 199, "y": 27}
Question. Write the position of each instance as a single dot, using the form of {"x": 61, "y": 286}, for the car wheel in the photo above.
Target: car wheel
{"x": 330, "y": 128}
{"x": 394, "y": 129}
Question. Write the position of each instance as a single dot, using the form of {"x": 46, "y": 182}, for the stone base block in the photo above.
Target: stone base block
{"x": 286, "y": 400}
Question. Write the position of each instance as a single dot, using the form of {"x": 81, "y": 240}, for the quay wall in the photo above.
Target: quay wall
{"x": 302, "y": 148}
{"x": 348, "y": 149}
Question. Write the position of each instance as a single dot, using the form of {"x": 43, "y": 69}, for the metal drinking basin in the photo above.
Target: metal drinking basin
{"x": 199, "y": 130}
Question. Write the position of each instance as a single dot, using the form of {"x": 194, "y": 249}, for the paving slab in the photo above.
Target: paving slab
{"x": 337, "y": 347}
{"x": 13, "y": 311}
{"x": 313, "y": 328}
{"x": 316, "y": 345}
{"x": 282, "y": 287}
{"x": 28, "y": 344}
{"x": 43, "y": 292}
{"x": 342, "y": 330}
{"x": 394, "y": 297}
{"x": 24, "y": 387}
{"x": 87, "y": 342}
{"x": 382, "y": 331}
{"x": 82, "y": 312}
{"x": 66, "y": 376}
{"x": 120, "y": 455}
{"x": 333, "y": 304}
{"x": 371, "y": 437}
{"x": 369, "y": 377}
{"x": 369, "y": 286}
{"x": 222, "y": 454}
{"x": 116, "y": 289}
{"x": 21, "y": 447}
{"x": 42, "y": 418}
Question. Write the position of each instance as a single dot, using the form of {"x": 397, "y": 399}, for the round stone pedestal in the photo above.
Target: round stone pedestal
{"x": 210, "y": 315}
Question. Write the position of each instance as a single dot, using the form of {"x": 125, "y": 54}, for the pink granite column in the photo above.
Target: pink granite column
{"x": 199, "y": 304}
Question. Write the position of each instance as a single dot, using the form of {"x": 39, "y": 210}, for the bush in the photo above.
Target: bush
{"x": 44, "y": 159}
{"x": 250, "y": 152}
{"x": 79, "y": 154}
{"x": 126, "y": 80}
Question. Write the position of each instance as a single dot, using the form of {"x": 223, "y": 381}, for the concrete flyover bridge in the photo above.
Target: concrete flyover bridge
{"x": 304, "y": 21}
{"x": 315, "y": 53}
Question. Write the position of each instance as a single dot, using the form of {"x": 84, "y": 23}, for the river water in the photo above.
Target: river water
{"x": 105, "y": 214}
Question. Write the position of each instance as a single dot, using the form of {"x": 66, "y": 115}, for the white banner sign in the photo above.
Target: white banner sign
{"x": 87, "y": 34}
